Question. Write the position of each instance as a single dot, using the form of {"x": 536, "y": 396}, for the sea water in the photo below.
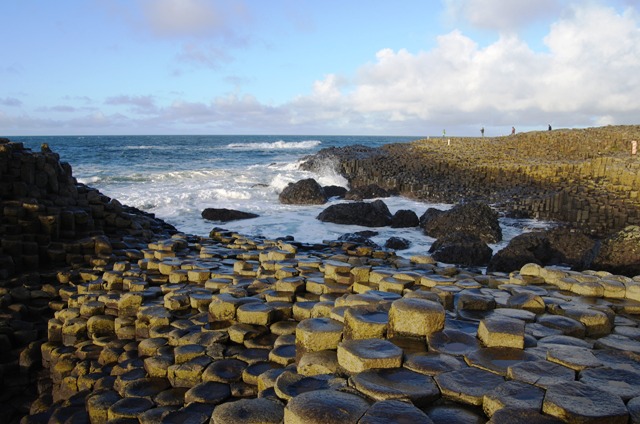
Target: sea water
{"x": 176, "y": 177}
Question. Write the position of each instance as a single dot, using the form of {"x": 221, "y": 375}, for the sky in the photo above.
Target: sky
{"x": 341, "y": 67}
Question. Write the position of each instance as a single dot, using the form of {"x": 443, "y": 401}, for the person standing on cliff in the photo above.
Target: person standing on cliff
{"x": 513, "y": 130}
{"x": 549, "y": 127}
{"x": 482, "y": 131}
{"x": 444, "y": 133}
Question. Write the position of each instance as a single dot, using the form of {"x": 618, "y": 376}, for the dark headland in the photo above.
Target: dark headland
{"x": 108, "y": 314}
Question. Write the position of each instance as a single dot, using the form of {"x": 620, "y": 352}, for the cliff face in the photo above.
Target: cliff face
{"x": 48, "y": 219}
{"x": 585, "y": 178}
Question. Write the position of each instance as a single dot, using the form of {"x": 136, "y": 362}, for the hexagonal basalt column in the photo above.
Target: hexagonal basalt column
{"x": 415, "y": 317}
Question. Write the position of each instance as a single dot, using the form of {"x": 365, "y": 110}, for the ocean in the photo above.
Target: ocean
{"x": 176, "y": 177}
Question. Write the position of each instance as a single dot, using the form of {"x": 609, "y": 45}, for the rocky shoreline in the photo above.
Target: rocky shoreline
{"x": 585, "y": 179}
{"x": 110, "y": 315}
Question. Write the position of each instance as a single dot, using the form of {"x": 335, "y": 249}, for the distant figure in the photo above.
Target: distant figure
{"x": 634, "y": 148}
{"x": 444, "y": 133}
{"x": 549, "y": 127}
{"x": 482, "y": 131}
{"x": 513, "y": 130}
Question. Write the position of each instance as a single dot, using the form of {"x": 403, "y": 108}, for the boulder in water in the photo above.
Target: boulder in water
{"x": 303, "y": 192}
{"x": 475, "y": 218}
{"x": 226, "y": 215}
{"x": 334, "y": 191}
{"x": 461, "y": 248}
{"x": 373, "y": 214}
{"x": 404, "y": 218}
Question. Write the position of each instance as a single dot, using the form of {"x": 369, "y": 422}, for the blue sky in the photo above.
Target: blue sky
{"x": 411, "y": 67}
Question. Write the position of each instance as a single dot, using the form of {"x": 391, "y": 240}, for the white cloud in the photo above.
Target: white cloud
{"x": 588, "y": 75}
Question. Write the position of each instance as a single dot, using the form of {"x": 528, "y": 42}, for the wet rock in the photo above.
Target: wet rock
{"x": 513, "y": 394}
{"x": 371, "y": 191}
{"x": 461, "y": 248}
{"x": 397, "y": 383}
{"x": 360, "y": 355}
{"x": 397, "y": 243}
{"x": 541, "y": 373}
{"x": 404, "y": 218}
{"x": 260, "y": 410}
{"x": 334, "y": 191}
{"x": 557, "y": 246}
{"x": 325, "y": 407}
{"x": 467, "y": 385}
{"x": 578, "y": 402}
{"x": 620, "y": 253}
{"x": 373, "y": 214}
{"x": 515, "y": 415}
{"x": 625, "y": 384}
{"x": 226, "y": 215}
{"x": 472, "y": 218}
{"x": 303, "y": 192}
{"x": 432, "y": 364}
{"x": 396, "y": 411}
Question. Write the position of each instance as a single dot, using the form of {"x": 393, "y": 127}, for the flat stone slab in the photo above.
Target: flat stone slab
{"x": 260, "y": 410}
{"x": 467, "y": 385}
{"x": 290, "y": 384}
{"x": 498, "y": 359}
{"x": 541, "y": 373}
{"x": 225, "y": 370}
{"x": 432, "y": 363}
{"x": 394, "y": 411}
{"x": 576, "y": 358}
{"x": 619, "y": 342}
{"x": 325, "y": 407}
{"x": 396, "y": 383}
{"x": 456, "y": 413}
{"x": 360, "y": 355}
{"x": 452, "y": 342}
{"x": 568, "y": 326}
{"x": 582, "y": 403}
{"x": 512, "y": 394}
{"x": 513, "y": 415}
{"x": 623, "y": 383}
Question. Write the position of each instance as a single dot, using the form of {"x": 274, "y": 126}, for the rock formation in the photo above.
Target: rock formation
{"x": 226, "y": 215}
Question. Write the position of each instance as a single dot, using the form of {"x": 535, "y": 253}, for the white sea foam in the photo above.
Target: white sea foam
{"x": 238, "y": 172}
{"x": 280, "y": 144}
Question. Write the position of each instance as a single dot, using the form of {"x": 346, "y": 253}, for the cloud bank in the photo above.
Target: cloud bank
{"x": 586, "y": 75}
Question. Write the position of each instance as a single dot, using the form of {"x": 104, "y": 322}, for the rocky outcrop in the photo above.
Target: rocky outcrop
{"x": 56, "y": 235}
{"x": 404, "y": 218}
{"x": 303, "y": 192}
{"x": 334, "y": 191}
{"x": 397, "y": 243}
{"x": 557, "y": 246}
{"x": 461, "y": 249}
{"x": 473, "y": 218}
{"x": 583, "y": 178}
{"x": 371, "y": 191}
{"x": 620, "y": 253}
{"x": 51, "y": 220}
{"x": 367, "y": 214}
{"x": 226, "y": 215}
